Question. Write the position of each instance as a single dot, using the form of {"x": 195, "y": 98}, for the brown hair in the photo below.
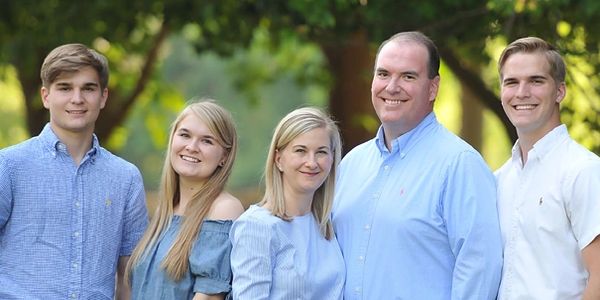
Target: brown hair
{"x": 433, "y": 67}
{"x": 71, "y": 58}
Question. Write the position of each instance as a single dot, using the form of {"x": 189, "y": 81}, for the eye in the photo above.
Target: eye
{"x": 299, "y": 150}
{"x": 381, "y": 74}
{"x": 409, "y": 77}
{"x": 208, "y": 141}
{"x": 183, "y": 134}
{"x": 325, "y": 152}
{"x": 64, "y": 88}
{"x": 89, "y": 88}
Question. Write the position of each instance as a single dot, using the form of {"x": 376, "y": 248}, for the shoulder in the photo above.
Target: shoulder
{"x": 225, "y": 207}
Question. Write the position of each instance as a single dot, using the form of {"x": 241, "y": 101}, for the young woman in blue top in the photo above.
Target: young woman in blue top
{"x": 184, "y": 254}
{"x": 284, "y": 247}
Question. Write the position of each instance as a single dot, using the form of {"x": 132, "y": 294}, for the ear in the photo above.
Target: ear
{"x": 278, "y": 160}
{"x": 44, "y": 92}
{"x": 434, "y": 85}
{"x": 561, "y": 93}
{"x": 104, "y": 98}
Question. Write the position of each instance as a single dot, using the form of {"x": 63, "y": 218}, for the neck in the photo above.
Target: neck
{"x": 78, "y": 144}
{"x": 528, "y": 138}
{"x": 298, "y": 204}
{"x": 186, "y": 192}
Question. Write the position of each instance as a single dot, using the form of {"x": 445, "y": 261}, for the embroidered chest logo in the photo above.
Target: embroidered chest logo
{"x": 107, "y": 202}
{"x": 541, "y": 201}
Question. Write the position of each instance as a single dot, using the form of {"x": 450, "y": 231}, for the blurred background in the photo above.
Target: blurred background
{"x": 261, "y": 59}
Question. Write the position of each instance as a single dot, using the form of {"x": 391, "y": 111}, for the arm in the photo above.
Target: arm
{"x": 251, "y": 260}
{"x": 471, "y": 217}
{"x": 5, "y": 192}
{"x": 591, "y": 259}
{"x": 123, "y": 292}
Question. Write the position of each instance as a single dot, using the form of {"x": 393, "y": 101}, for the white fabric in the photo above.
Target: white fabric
{"x": 549, "y": 211}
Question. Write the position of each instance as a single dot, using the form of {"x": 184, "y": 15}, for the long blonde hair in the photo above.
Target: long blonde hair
{"x": 175, "y": 263}
{"x": 292, "y": 125}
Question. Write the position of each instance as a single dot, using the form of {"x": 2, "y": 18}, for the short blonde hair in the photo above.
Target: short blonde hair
{"x": 291, "y": 126}
{"x": 531, "y": 45}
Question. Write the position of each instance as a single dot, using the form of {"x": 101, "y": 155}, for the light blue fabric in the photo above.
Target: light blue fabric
{"x": 62, "y": 226}
{"x": 276, "y": 259}
{"x": 209, "y": 268}
{"x": 420, "y": 221}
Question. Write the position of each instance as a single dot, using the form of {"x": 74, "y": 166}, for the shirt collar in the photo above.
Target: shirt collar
{"x": 542, "y": 147}
{"x": 54, "y": 145}
{"x": 405, "y": 141}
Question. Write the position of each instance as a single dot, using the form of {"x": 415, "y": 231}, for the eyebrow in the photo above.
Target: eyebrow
{"x": 202, "y": 136}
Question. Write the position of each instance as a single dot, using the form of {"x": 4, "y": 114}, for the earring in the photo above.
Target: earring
{"x": 221, "y": 164}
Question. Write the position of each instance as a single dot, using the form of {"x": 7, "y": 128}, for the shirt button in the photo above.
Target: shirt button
{"x": 367, "y": 227}
{"x": 73, "y": 296}
{"x": 74, "y": 265}
{"x": 361, "y": 258}
{"x": 77, "y": 204}
{"x": 386, "y": 167}
{"x": 357, "y": 289}
{"x": 76, "y": 234}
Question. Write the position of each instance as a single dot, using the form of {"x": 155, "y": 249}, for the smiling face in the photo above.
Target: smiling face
{"x": 401, "y": 91}
{"x": 74, "y": 100}
{"x": 305, "y": 163}
{"x": 530, "y": 96}
{"x": 195, "y": 151}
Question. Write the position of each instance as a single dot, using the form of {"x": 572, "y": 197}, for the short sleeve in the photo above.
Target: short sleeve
{"x": 583, "y": 204}
{"x": 209, "y": 260}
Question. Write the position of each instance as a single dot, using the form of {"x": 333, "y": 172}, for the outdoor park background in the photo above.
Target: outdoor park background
{"x": 261, "y": 59}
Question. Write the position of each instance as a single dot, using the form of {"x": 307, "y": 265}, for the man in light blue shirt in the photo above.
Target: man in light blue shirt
{"x": 415, "y": 207}
{"x": 70, "y": 211}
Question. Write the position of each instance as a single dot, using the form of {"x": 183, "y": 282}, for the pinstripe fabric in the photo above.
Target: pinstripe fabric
{"x": 275, "y": 259}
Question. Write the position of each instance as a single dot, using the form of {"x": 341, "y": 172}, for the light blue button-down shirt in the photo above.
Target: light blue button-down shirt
{"x": 419, "y": 221}
{"x": 276, "y": 259}
{"x": 63, "y": 226}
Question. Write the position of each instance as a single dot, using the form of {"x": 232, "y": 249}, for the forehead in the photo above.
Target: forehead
{"x": 193, "y": 123}
{"x": 403, "y": 53}
{"x": 85, "y": 75}
{"x": 314, "y": 137}
{"x": 526, "y": 64}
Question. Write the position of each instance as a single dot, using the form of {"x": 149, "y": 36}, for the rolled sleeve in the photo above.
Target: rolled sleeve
{"x": 136, "y": 215}
{"x": 209, "y": 260}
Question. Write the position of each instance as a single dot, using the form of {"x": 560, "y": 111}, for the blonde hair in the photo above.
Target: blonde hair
{"x": 533, "y": 44}
{"x": 175, "y": 263}
{"x": 291, "y": 126}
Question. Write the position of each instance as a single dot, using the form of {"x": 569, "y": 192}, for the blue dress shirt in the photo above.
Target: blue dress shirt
{"x": 209, "y": 268}
{"x": 419, "y": 221}
{"x": 63, "y": 227}
{"x": 276, "y": 259}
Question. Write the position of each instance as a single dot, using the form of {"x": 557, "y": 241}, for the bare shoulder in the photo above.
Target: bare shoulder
{"x": 225, "y": 207}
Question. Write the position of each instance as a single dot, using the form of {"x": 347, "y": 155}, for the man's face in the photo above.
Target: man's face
{"x": 529, "y": 94}
{"x": 401, "y": 91}
{"x": 74, "y": 100}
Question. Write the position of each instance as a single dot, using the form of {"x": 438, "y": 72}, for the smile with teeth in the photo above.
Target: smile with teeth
{"x": 189, "y": 158}
{"x": 76, "y": 112}
{"x": 525, "y": 107}
{"x": 392, "y": 101}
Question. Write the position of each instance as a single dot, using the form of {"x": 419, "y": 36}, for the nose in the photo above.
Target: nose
{"x": 77, "y": 96}
{"x": 523, "y": 91}
{"x": 192, "y": 146}
{"x": 393, "y": 85}
{"x": 311, "y": 161}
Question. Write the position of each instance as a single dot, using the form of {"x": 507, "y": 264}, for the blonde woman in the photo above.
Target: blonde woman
{"x": 184, "y": 254}
{"x": 284, "y": 247}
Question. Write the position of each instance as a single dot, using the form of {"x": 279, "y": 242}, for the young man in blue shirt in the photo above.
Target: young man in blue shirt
{"x": 70, "y": 211}
{"x": 415, "y": 207}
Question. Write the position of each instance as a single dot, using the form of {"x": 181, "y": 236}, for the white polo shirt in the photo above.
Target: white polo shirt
{"x": 549, "y": 211}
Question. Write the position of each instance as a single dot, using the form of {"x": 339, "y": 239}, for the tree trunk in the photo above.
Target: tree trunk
{"x": 472, "y": 118}
{"x": 350, "y": 95}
